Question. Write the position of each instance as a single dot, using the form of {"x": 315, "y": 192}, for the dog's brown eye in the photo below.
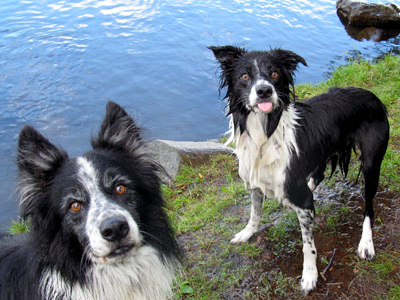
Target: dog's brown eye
{"x": 76, "y": 206}
{"x": 120, "y": 189}
{"x": 274, "y": 75}
{"x": 245, "y": 76}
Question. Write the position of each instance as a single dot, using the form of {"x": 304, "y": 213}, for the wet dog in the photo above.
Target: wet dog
{"x": 284, "y": 146}
{"x": 98, "y": 226}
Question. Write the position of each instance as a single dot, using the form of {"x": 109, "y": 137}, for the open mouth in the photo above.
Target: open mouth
{"x": 119, "y": 251}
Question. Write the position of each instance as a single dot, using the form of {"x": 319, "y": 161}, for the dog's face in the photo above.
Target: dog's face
{"x": 257, "y": 81}
{"x": 101, "y": 205}
{"x": 97, "y": 202}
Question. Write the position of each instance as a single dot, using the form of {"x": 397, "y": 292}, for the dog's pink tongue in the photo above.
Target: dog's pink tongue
{"x": 265, "y": 106}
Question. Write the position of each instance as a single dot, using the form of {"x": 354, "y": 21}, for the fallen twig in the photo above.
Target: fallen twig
{"x": 347, "y": 298}
{"x": 329, "y": 265}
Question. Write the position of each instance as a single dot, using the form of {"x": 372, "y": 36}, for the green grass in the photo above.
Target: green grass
{"x": 200, "y": 193}
{"x": 19, "y": 226}
{"x": 394, "y": 293}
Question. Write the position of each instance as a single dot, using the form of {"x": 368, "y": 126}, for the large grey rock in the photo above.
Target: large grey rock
{"x": 167, "y": 156}
{"x": 364, "y": 14}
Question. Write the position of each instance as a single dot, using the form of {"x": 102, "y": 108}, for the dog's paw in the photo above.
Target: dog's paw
{"x": 309, "y": 281}
{"x": 242, "y": 236}
{"x": 366, "y": 249}
{"x": 366, "y": 246}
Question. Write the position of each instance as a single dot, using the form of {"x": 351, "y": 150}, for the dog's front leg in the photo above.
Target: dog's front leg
{"x": 310, "y": 273}
{"x": 243, "y": 236}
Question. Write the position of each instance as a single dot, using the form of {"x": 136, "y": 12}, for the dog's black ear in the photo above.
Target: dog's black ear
{"x": 290, "y": 59}
{"x": 36, "y": 155}
{"x": 37, "y": 161}
{"x": 227, "y": 55}
{"x": 118, "y": 131}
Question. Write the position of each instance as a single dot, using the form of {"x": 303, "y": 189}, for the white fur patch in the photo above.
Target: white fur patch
{"x": 101, "y": 208}
{"x": 263, "y": 161}
{"x": 366, "y": 246}
{"x": 142, "y": 276}
{"x": 253, "y": 97}
{"x": 311, "y": 184}
{"x": 309, "y": 276}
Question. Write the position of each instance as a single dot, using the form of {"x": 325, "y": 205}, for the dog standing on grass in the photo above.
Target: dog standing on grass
{"x": 98, "y": 226}
{"x": 283, "y": 146}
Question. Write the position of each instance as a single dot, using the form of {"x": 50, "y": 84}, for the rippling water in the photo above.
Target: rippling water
{"x": 61, "y": 61}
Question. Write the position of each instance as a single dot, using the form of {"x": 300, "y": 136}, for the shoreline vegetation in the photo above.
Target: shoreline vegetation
{"x": 207, "y": 205}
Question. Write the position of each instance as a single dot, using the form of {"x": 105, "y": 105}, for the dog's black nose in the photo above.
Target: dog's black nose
{"x": 263, "y": 91}
{"x": 114, "y": 229}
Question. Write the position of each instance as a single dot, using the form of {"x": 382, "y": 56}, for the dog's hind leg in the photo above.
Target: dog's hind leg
{"x": 243, "y": 236}
{"x": 372, "y": 149}
{"x": 366, "y": 246}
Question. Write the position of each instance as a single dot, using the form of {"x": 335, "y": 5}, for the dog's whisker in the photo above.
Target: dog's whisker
{"x": 85, "y": 256}
{"x": 150, "y": 235}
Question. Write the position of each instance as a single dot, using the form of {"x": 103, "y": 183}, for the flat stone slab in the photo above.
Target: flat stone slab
{"x": 169, "y": 154}
{"x": 208, "y": 147}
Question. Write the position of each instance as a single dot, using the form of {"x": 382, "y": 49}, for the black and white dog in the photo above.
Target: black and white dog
{"x": 283, "y": 147}
{"x": 98, "y": 226}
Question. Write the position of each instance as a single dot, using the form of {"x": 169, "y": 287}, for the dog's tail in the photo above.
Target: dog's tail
{"x": 342, "y": 158}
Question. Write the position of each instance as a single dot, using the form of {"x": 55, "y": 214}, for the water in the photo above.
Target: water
{"x": 61, "y": 61}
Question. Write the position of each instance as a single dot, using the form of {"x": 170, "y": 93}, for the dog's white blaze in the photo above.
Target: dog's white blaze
{"x": 256, "y": 67}
{"x": 101, "y": 208}
{"x": 366, "y": 246}
{"x": 253, "y": 97}
{"x": 263, "y": 161}
{"x": 143, "y": 276}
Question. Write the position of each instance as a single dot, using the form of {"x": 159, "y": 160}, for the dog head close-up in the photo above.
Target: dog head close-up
{"x": 100, "y": 207}
{"x": 256, "y": 81}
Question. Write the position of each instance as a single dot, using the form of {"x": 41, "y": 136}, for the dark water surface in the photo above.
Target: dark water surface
{"x": 61, "y": 61}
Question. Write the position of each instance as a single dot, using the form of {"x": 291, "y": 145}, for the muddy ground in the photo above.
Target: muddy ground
{"x": 275, "y": 272}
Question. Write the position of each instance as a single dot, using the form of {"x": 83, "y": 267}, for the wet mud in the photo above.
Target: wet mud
{"x": 276, "y": 273}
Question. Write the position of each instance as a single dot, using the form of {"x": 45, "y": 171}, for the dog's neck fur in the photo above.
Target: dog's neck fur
{"x": 262, "y": 159}
{"x": 143, "y": 276}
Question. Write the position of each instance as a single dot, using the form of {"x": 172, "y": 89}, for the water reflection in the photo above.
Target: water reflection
{"x": 371, "y": 33}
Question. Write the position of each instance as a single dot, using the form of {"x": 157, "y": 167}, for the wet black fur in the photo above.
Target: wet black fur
{"x": 57, "y": 238}
{"x": 330, "y": 124}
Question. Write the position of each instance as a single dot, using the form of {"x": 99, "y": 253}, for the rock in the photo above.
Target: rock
{"x": 363, "y": 14}
{"x": 167, "y": 156}
{"x": 209, "y": 147}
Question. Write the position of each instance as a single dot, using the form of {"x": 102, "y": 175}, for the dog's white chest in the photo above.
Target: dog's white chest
{"x": 143, "y": 277}
{"x": 263, "y": 161}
